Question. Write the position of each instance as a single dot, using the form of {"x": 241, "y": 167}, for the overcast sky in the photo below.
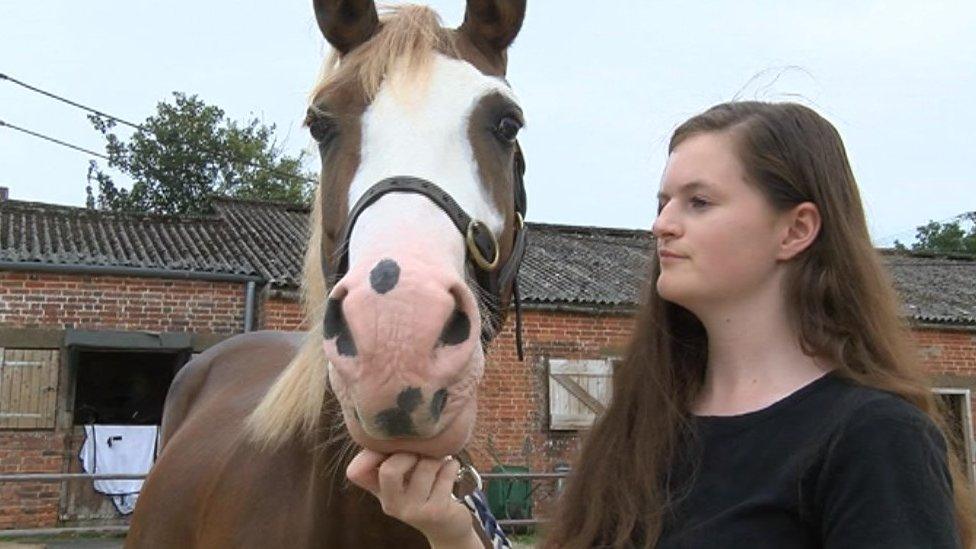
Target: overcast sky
{"x": 602, "y": 84}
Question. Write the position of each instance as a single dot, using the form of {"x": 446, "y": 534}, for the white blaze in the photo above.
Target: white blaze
{"x": 423, "y": 134}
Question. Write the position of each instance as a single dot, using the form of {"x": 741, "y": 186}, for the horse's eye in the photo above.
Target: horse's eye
{"x": 508, "y": 128}
{"x": 322, "y": 128}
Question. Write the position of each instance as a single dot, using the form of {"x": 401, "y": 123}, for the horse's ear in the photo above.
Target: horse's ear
{"x": 492, "y": 25}
{"x": 346, "y": 23}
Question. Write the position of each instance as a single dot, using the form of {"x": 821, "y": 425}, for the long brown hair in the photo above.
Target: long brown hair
{"x": 844, "y": 307}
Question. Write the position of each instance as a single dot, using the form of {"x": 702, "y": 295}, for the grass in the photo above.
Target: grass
{"x": 523, "y": 540}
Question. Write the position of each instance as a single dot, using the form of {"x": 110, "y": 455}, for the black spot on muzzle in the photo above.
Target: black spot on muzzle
{"x": 384, "y": 276}
{"x": 409, "y": 399}
{"x": 395, "y": 423}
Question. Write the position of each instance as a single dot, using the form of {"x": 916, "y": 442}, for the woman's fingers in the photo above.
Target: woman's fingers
{"x": 363, "y": 470}
{"x": 393, "y": 475}
{"x": 444, "y": 482}
{"x": 417, "y": 491}
{"x": 422, "y": 479}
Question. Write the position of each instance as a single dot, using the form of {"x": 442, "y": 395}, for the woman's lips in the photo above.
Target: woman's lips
{"x": 668, "y": 255}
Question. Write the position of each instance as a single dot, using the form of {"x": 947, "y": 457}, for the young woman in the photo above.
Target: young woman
{"x": 770, "y": 396}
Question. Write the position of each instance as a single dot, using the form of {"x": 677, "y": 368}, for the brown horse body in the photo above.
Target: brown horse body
{"x": 257, "y": 431}
{"x": 212, "y": 487}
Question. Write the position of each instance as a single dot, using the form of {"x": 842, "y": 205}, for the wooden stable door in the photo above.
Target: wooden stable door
{"x": 579, "y": 390}
{"x": 28, "y": 388}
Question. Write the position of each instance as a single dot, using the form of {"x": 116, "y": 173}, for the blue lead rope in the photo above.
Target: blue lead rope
{"x": 477, "y": 504}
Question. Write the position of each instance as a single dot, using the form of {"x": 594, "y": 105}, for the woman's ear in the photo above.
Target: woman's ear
{"x": 801, "y": 226}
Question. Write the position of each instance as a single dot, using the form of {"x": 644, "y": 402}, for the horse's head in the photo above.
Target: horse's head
{"x": 421, "y": 202}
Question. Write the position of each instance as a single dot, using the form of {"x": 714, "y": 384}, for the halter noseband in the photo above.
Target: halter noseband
{"x": 482, "y": 249}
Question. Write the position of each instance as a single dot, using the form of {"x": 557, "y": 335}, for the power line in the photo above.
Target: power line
{"x": 52, "y": 140}
{"x": 133, "y": 125}
{"x": 72, "y": 103}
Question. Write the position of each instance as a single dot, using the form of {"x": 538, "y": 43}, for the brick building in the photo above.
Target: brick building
{"x": 99, "y": 310}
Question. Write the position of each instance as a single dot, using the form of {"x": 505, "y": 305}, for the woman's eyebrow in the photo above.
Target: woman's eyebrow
{"x": 691, "y": 186}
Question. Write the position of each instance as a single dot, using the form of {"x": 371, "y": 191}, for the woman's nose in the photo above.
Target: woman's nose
{"x": 665, "y": 225}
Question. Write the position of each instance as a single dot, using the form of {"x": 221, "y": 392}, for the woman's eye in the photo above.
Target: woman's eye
{"x": 508, "y": 128}
{"x": 322, "y": 128}
{"x": 698, "y": 202}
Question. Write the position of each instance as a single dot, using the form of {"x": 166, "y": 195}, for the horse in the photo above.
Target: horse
{"x": 416, "y": 233}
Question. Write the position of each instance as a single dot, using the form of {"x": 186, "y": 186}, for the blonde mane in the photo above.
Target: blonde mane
{"x": 405, "y": 44}
{"x": 403, "y": 47}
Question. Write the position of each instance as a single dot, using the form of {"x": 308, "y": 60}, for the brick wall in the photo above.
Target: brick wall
{"x": 281, "y": 314}
{"x": 35, "y": 504}
{"x": 950, "y": 355}
{"x": 120, "y": 303}
{"x": 53, "y": 301}
{"x": 513, "y": 398}
{"x": 947, "y": 351}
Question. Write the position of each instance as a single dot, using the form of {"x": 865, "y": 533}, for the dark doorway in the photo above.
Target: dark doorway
{"x": 123, "y": 387}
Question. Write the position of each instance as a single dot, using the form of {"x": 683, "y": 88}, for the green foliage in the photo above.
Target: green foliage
{"x": 188, "y": 153}
{"x": 951, "y": 237}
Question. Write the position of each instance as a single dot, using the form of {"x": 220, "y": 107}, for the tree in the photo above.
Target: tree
{"x": 188, "y": 153}
{"x": 951, "y": 236}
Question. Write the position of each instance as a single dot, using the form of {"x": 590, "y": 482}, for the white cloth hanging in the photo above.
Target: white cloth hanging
{"x": 119, "y": 449}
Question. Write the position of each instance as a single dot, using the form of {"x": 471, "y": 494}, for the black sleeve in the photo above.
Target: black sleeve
{"x": 886, "y": 483}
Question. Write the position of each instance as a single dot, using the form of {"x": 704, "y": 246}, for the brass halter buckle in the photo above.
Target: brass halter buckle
{"x": 475, "y": 251}
{"x": 469, "y": 471}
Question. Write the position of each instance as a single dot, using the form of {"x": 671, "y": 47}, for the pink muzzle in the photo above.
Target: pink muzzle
{"x": 403, "y": 340}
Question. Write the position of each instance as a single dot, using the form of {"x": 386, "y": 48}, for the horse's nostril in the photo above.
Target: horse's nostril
{"x": 437, "y": 403}
{"x": 334, "y": 322}
{"x": 457, "y": 329}
{"x": 334, "y": 326}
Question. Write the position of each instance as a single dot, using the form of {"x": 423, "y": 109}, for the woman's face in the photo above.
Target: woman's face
{"x": 717, "y": 235}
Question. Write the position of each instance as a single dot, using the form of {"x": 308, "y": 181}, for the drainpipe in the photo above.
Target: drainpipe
{"x": 249, "y": 305}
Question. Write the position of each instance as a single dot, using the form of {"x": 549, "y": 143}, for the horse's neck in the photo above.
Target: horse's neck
{"x": 340, "y": 513}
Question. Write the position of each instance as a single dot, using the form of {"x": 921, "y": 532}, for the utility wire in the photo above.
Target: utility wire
{"x": 127, "y": 123}
{"x": 51, "y": 139}
{"x": 72, "y": 103}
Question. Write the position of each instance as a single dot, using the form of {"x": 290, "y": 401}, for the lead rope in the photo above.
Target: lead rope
{"x": 494, "y": 537}
{"x": 518, "y": 319}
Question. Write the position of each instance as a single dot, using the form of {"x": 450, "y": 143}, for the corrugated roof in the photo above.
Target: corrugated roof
{"x": 584, "y": 265}
{"x": 33, "y": 232}
{"x": 593, "y": 267}
{"x": 935, "y": 289}
{"x": 275, "y": 234}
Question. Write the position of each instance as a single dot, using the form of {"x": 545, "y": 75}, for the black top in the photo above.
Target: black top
{"x": 835, "y": 464}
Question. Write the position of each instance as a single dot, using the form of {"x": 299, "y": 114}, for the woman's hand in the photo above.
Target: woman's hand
{"x": 417, "y": 491}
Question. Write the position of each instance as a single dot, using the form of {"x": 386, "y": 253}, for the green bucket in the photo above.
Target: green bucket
{"x": 508, "y": 498}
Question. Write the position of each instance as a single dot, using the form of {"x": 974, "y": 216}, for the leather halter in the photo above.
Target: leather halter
{"x": 482, "y": 249}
